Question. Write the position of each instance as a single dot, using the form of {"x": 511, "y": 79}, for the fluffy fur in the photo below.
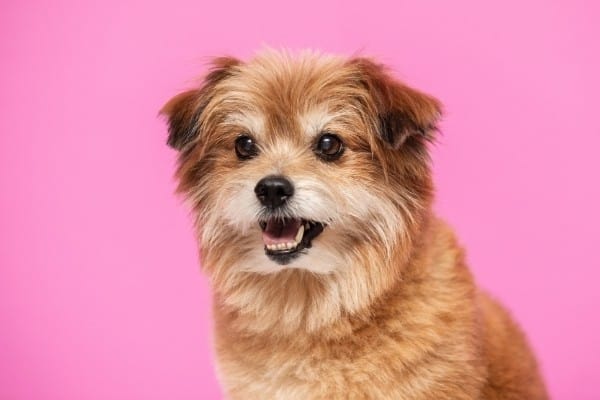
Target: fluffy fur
{"x": 382, "y": 306}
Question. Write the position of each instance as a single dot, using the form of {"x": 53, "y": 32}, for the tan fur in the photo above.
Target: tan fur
{"x": 383, "y": 305}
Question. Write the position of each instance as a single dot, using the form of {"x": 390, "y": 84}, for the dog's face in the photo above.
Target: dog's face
{"x": 310, "y": 162}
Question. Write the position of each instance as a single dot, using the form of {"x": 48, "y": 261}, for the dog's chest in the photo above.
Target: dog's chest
{"x": 380, "y": 367}
{"x": 313, "y": 371}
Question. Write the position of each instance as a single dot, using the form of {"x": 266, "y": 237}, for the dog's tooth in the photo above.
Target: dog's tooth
{"x": 299, "y": 234}
{"x": 282, "y": 246}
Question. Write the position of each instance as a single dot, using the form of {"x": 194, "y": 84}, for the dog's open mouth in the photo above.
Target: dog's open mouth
{"x": 285, "y": 239}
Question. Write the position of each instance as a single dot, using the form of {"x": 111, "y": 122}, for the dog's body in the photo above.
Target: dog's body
{"x": 333, "y": 279}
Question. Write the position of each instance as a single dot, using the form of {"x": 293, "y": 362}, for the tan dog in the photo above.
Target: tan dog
{"x": 310, "y": 179}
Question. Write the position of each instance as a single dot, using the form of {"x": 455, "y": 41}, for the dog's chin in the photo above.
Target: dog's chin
{"x": 286, "y": 239}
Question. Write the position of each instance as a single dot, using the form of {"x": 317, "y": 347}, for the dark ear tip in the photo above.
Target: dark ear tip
{"x": 184, "y": 111}
{"x": 396, "y": 127}
{"x": 174, "y": 144}
{"x": 404, "y": 112}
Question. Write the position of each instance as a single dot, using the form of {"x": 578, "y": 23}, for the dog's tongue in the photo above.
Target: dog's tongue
{"x": 278, "y": 231}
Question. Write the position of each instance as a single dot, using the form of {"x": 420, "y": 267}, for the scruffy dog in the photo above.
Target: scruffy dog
{"x": 310, "y": 180}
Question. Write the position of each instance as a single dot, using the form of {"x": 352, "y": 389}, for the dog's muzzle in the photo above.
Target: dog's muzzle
{"x": 284, "y": 238}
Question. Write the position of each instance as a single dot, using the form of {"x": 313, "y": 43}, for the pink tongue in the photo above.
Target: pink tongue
{"x": 281, "y": 232}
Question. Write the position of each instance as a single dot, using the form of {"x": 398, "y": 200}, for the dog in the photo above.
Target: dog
{"x": 310, "y": 184}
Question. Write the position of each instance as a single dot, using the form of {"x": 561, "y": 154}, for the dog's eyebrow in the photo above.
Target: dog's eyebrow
{"x": 254, "y": 123}
{"x": 315, "y": 120}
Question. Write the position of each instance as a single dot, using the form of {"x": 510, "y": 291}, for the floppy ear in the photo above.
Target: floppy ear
{"x": 402, "y": 112}
{"x": 184, "y": 111}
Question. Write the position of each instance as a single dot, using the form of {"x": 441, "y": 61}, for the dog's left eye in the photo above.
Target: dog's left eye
{"x": 329, "y": 147}
{"x": 245, "y": 147}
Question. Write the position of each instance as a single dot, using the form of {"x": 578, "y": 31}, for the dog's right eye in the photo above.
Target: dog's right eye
{"x": 245, "y": 147}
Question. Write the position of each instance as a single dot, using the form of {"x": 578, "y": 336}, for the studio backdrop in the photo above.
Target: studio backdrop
{"x": 101, "y": 294}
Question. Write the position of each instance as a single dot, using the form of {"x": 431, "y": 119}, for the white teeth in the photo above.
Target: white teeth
{"x": 289, "y": 245}
{"x": 282, "y": 246}
{"x": 299, "y": 234}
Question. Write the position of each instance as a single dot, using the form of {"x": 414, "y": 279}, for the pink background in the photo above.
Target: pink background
{"x": 100, "y": 292}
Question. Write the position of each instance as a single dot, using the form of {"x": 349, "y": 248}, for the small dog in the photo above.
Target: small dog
{"x": 310, "y": 181}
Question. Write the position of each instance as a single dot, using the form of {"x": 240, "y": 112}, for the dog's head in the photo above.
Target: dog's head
{"x": 303, "y": 162}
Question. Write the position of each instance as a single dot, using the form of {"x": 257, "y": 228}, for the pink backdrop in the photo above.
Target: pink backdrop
{"x": 100, "y": 292}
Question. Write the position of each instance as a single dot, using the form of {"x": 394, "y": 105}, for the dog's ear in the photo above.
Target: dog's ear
{"x": 184, "y": 111}
{"x": 402, "y": 112}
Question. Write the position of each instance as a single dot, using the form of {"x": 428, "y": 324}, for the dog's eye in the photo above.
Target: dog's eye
{"x": 329, "y": 147}
{"x": 245, "y": 147}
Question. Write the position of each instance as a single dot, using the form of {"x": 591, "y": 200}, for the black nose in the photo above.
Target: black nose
{"x": 273, "y": 190}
